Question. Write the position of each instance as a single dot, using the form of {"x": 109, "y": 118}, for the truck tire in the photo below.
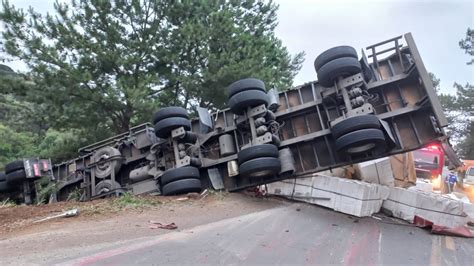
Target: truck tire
{"x": 270, "y": 116}
{"x": 105, "y": 169}
{"x": 167, "y": 112}
{"x": 182, "y": 186}
{"x": 257, "y": 151}
{"x": 16, "y": 176}
{"x": 354, "y": 123}
{"x": 4, "y": 187}
{"x": 13, "y": 166}
{"x": 245, "y": 85}
{"x": 241, "y": 101}
{"x": 164, "y": 127}
{"x": 362, "y": 140}
{"x": 172, "y": 175}
{"x": 334, "y": 53}
{"x": 189, "y": 137}
{"x": 340, "y": 67}
{"x": 260, "y": 167}
{"x": 105, "y": 186}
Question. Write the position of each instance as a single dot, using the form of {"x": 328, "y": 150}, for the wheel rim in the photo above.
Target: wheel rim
{"x": 361, "y": 148}
{"x": 262, "y": 173}
{"x": 103, "y": 190}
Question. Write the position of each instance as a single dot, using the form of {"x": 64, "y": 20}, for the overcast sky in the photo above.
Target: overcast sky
{"x": 437, "y": 27}
{"x": 314, "y": 26}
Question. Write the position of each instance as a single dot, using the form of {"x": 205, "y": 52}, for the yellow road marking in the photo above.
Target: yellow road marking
{"x": 435, "y": 259}
{"x": 449, "y": 243}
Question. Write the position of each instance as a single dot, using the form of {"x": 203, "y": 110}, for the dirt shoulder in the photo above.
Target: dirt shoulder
{"x": 106, "y": 222}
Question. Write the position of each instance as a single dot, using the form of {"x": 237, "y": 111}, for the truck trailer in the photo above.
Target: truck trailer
{"x": 363, "y": 106}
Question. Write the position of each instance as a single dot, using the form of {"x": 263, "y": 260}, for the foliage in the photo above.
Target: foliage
{"x": 462, "y": 105}
{"x": 101, "y": 65}
{"x": 467, "y": 44}
{"x": 61, "y": 146}
{"x": 15, "y": 145}
{"x": 7, "y": 203}
{"x": 44, "y": 189}
{"x": 467, "y": 143}
{"x": 6, "y": 70}
{"x": 459, "y": 110}
{"x": 75, "y": 195}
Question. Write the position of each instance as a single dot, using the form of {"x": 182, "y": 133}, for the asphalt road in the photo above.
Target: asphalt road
{"x": 294, "y": 234}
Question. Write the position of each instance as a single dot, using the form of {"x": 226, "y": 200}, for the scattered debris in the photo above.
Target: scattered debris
{"x": 376, "y": 218}
{"x": 158, "y": 225}
{"x": 443, "y": 230}
{"x": 258, "y": 192}
{"x": 193, "y": 195}
{"x": 182, "y": 199}
{"x": 204, "y": 194}
{"x": 66, "y": 214}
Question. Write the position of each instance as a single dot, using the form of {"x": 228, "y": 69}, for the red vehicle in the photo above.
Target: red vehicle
{"x": 429, "y": 162}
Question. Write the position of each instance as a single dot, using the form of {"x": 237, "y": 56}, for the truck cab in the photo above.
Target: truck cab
{"x": 429, "y": 162}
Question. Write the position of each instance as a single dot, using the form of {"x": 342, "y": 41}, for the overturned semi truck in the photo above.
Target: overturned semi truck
{"x": 362, "y": 107}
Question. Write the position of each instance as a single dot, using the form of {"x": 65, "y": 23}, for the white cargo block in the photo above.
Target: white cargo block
{"x": 422, "y": 185}
{"x": 441, "y": 210}
{"x": 343, "y": 195}
{"x": 377, "y": 171}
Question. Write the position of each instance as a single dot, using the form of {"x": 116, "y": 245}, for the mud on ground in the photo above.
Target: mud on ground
{"x": 109, "y": 221}
{"x": 22, "y": 219}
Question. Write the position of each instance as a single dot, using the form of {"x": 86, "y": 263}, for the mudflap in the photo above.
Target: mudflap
{"x": 391, "y": 142}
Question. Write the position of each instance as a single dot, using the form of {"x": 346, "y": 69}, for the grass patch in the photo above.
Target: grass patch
{"x": 7, "y": 203}
{"x": 125, "y": 202}
{"x": 128, "y": 200}
{"x": 74, "y": 195}
{"x": 218, "y": 194}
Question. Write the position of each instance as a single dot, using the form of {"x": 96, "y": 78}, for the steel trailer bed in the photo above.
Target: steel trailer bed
{"x": 403, "y": 98}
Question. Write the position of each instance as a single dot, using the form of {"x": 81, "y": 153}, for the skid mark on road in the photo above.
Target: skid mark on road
{"x": 174, "y": 236}
{"x": 362, "y": 246}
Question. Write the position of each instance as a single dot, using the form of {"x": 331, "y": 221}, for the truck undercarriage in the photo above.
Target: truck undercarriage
{"x": 360, "y": 109}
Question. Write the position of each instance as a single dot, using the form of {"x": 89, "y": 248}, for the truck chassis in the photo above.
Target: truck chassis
{"x": 393, "y": 85}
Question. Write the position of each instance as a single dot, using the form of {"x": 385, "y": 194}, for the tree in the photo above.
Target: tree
{"x": 467, "y": 44}
{"x": 15, "y": 145}
{"x": 463, "y": 103}
{"x": 100, "y": 64}
{"x": 61, "y": 146}
{"x": 465, "y": 99}
{"x": 459, "y": 110}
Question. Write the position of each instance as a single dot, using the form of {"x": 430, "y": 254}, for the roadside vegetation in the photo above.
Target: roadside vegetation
{"x": 7, "y": 203}
{"x": 96, "y": 68}
{"x": 459, "y": 107}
